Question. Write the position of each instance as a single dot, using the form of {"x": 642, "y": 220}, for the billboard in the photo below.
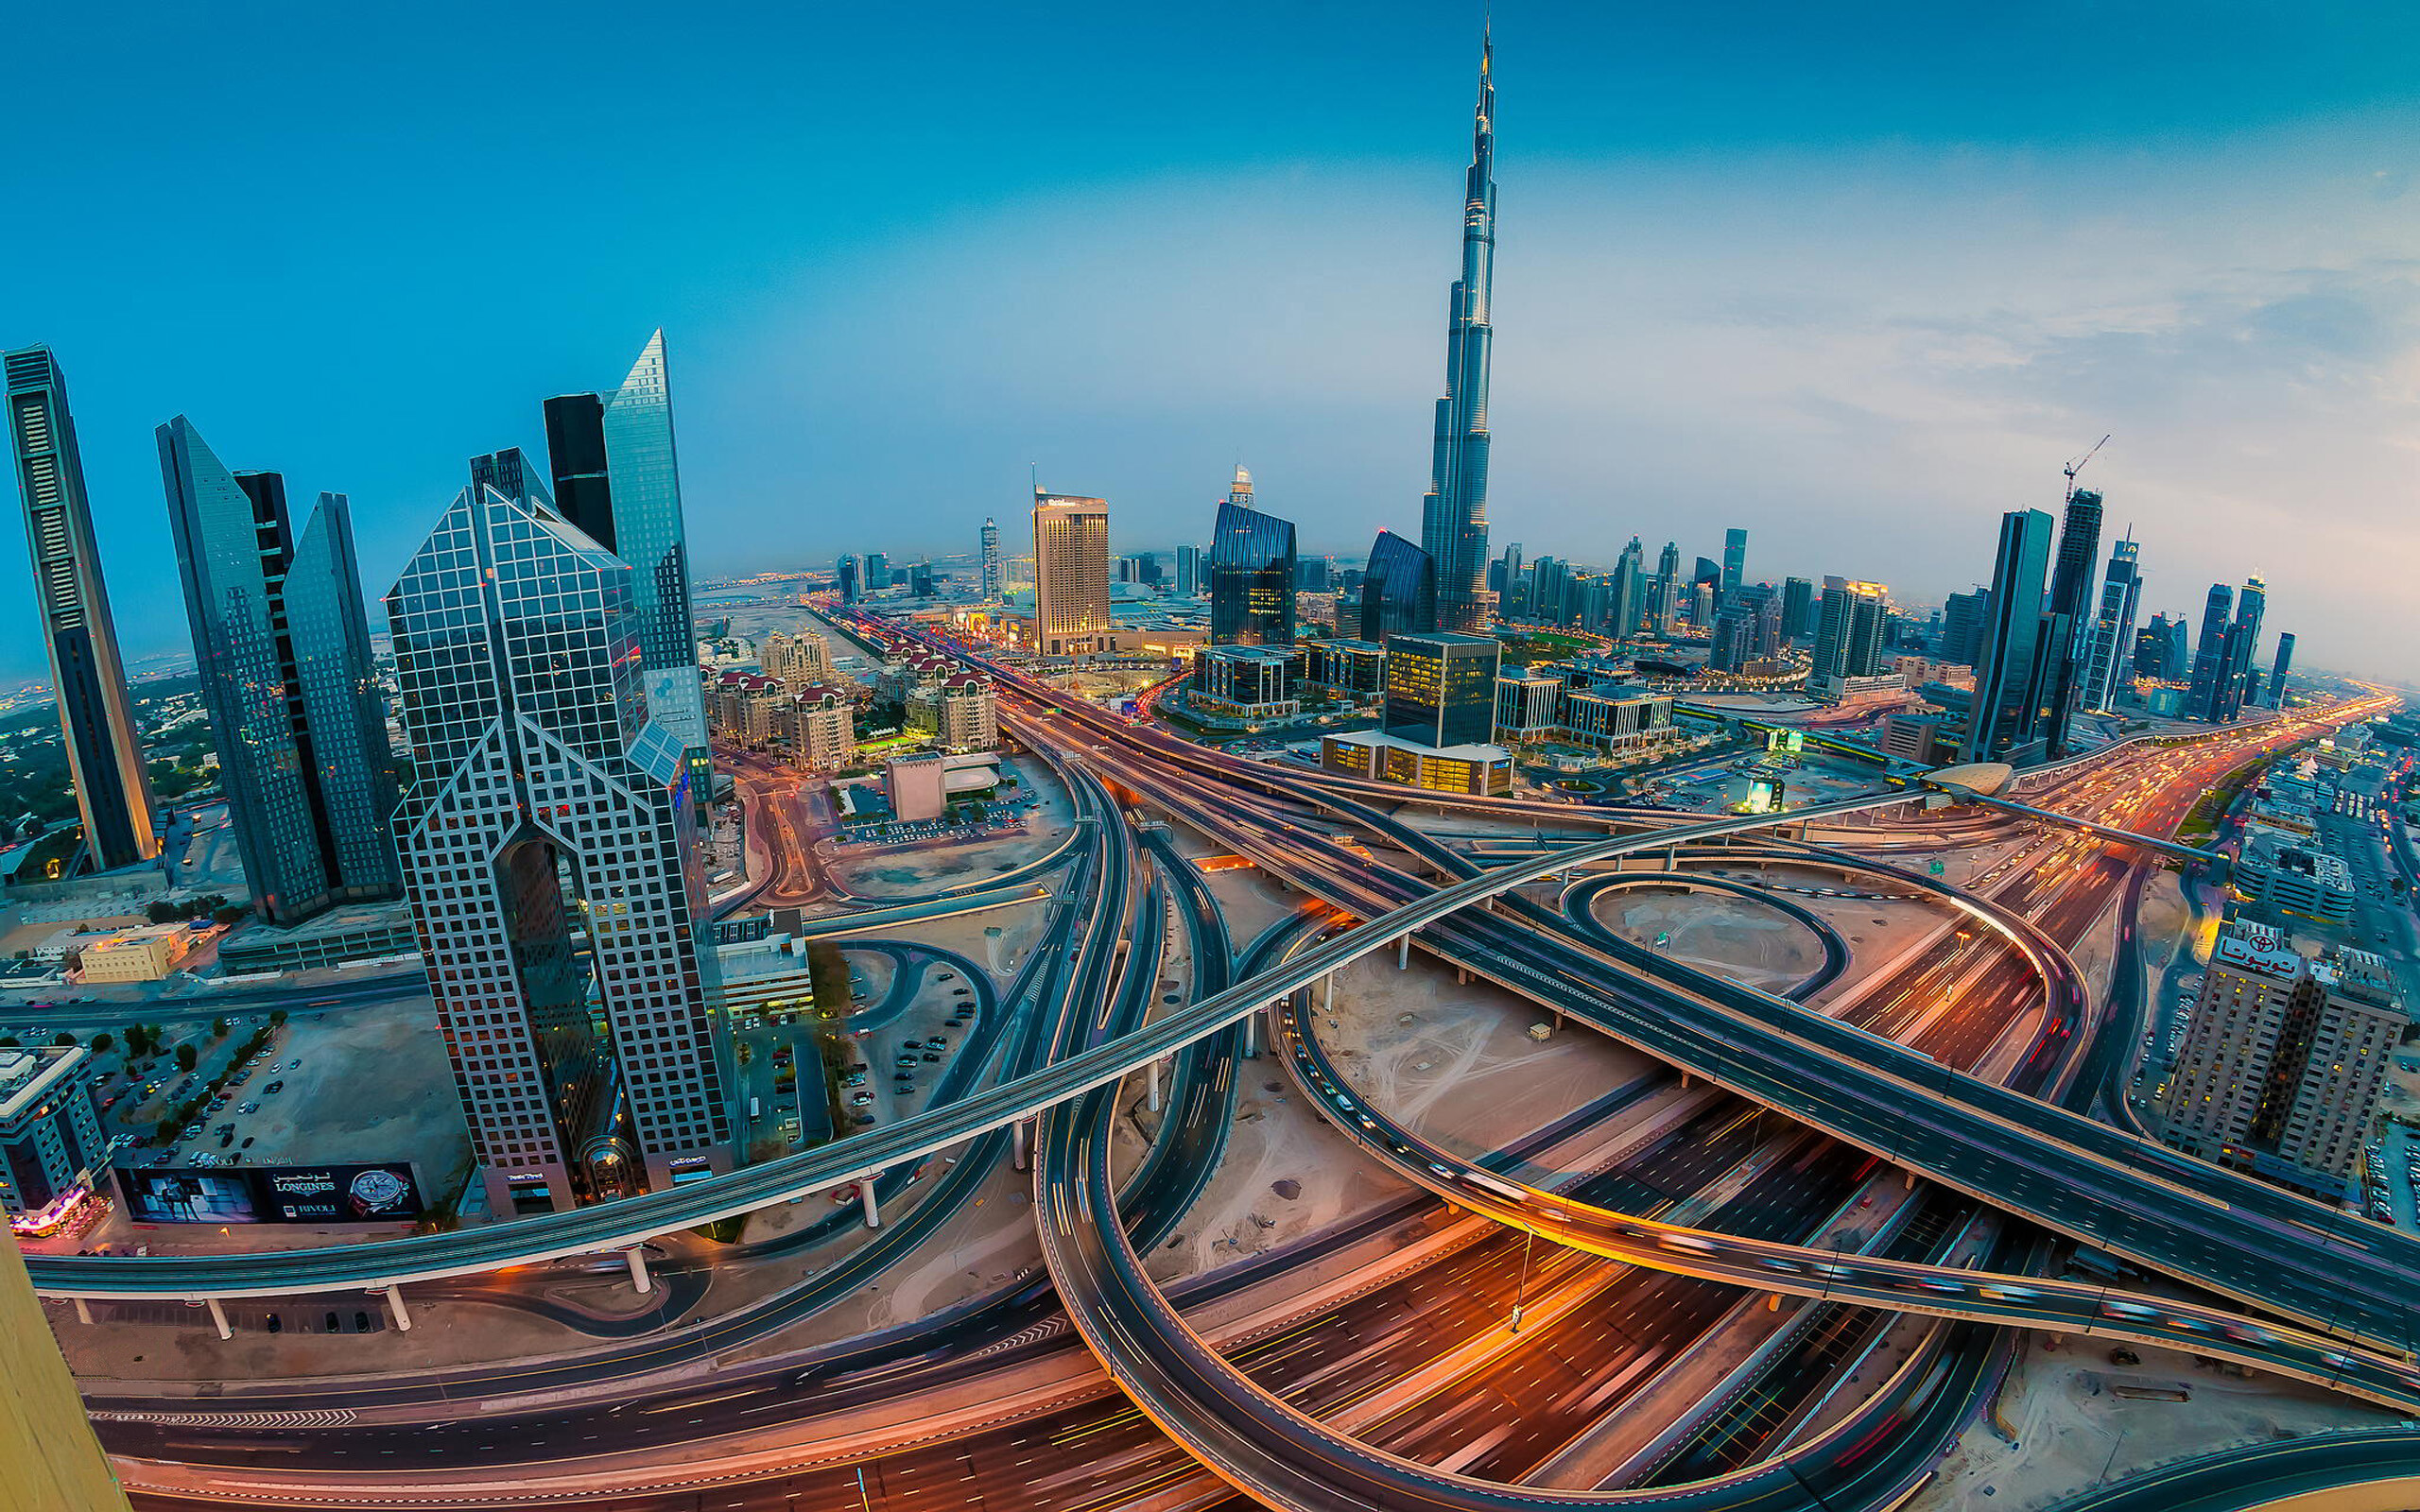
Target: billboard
{"x": 271, "y": 1194}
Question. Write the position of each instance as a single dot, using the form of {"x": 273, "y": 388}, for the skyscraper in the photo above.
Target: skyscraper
{"x": 845, "y": 577}
{"x": 2277, "y": 673}
{"x": 994, "y": 587}
{"x": 282, "y": 648}
{"x": 1848, "y": 635}
{"x": 104, "y": 757}
{"x": 2070, "y": 600}
{"x": 618, "y": 479}
{"x": 2112, "y": 638}
{"x": 1797, "y": 609}
{"x": 2209, "y": 654}
{"x": 1398, "y": 590}
{"x": 2018, "y": 638}
{"x": 1440, "y": 688}
{"x": 547, "y": 803}
{"x": 1070, "y": 574}
{"x": 1188, "y": 571}
{"x": 1252, "y": 575}
{"x": 1453, "y": 516}
{"x": 877, "y": 571}
{"x": 1734, "y": 560}
{"x": 2237, "y": 676}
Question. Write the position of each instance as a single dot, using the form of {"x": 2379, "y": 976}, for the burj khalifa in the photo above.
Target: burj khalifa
{"x": 1453, "y": 515}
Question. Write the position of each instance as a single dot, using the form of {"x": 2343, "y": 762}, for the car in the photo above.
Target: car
{"x": 247, "y": 1107}
{"x": 192, "y": 1131}
{"x": 273, "y": 1087}
{"x": 860, "y": 1099}
{"x": 930, "y": 1055}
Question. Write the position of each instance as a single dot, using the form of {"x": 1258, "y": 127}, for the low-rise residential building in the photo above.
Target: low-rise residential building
{"x": 144, "y": 954}
{"x": 819, "y": 728}
{"x": 962, "y": 713}
{"x": 801, "y": 659}
{"x": 2281, "y": 875}
{"x": 745, "y": 708}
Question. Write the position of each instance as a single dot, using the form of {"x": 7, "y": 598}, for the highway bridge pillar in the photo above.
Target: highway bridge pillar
{"x": 395, "y": 1305}
{"x": 1019, "y": 1157}
{"x": 872, "y": 1205}
{"x": 1402, "y": 954}
{"x": 84, "y": 1311}
{"x": 218, "y": 1317}
{"x": 1327, "y": 995}
{"x": 1252, "y": 1034}
{"x": 1152, "y": 1099}
{"x": 637, "y": 1257}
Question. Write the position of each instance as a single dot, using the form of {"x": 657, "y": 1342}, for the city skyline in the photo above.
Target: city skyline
{"x": 1950, "y": 392}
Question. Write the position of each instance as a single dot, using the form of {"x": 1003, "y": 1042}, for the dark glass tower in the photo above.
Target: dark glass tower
{"x": 1734, "y": 560}
{"x": 2112, "y": 630}
{"x": 2070, "y": 596}
{"x": 1398, "y": 590}
{"x": 282, "y": 648}
{"x": 2209, "y": 654}
{"x": 2239, "y": 680}
{"x": 1440, "y": 688}
{"x": 1453, "y": 516}
{"x": 104, "y": 757}
{"x": 2017, "y": 637}
{"x": 614, "y": 454}
{"x": 1252, "y": 577}
{"x": 2277, "y": 673}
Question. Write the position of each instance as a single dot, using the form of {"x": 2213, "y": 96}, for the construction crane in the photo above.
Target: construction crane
{"x": 2077, "y": 466}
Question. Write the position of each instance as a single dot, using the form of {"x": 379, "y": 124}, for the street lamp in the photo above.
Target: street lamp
{"x": 1521, "y": 1287}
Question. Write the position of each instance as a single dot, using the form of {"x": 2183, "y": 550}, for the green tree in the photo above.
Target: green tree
{"x": 276, "y": 1016}
{"x": 227, "y": 914}
{"x": 187, "y": 1058}
{"x": 162, "y": 912}
{"x": 219, "y": 1028}
{"x": 138, "y": 1042}
{"x": 101, "y": 1044}
{"x": 62, "y": 1037}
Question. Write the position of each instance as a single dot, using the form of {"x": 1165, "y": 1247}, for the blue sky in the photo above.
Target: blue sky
{"x": 1858, "y": 278}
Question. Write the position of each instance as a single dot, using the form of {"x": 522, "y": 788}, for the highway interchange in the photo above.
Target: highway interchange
{"x": 1083, "y": 1033}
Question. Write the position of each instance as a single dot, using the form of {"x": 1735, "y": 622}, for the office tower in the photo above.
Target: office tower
{"x": 1070, "y": 574}
{"x": 2284, "y": 1056}
{"x": 845, "y": 577}
{"x": 1188, "y": 571}
{"x": 993, "y": 591}
{"x": 1667, "y": 594}
{"x": 2151, "y": 648}
{"x": 2017, "y": 638}
{"x": 2070, "y": 596}
{"x": 1848, "y": 635}
{"x": 920, "y": 581}
{"x": 2209, "y": 653}
{"x": 1734, "y": 560}
{"x": 2277, "y": 673}
{"x": 1733, "y": 630}
{"x": 1440, "y": 688}
{"x": 617, "y": 479}
{"x": 47, "y": 1440}
{"x": 2237, "y": 679}
{"x": 877, "y": 571}
{"x": 104, "y": 756}
{"x": 1797, "y": 609}
{"x": 1453, "y": 516}
{"x": 2178, "y": 659}
{"x": 1398, "y": 590}
{"x": 281, "y": 644}
{"x": 2112, "y": 630}
{"x": 546, "y": 804}
{"x": 1251, "y": 576}
{"x": 1630, "y": 592}
{"x": 1961, "y": 626}
{"x": 1505, "y": 573}
{"x": 1546, "y": 578}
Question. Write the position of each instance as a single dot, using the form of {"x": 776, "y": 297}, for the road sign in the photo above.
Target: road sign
{"x": 1935, "y": 868}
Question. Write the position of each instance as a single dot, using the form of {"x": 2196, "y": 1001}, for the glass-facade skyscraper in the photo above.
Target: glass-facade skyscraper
{"x": 1440, "y": 688}
{"x": 617, "y": 478}
{"x": 2112, "y": 640}
{"x": 547, "y": 805}
{"x": 2017, "y": 640}
{"x": 1070, "y": 574}
{"x": 1398, "y": 590}
{"x": 1734, "y": 560}
{"x": 281, "y": 644}
{"x": 1252, "y": 577}
{"x": 2071, "y": 600}
{"x": 104, "y": 757}
{"x": 2209, "y": 653}
{"x": 1453, "y": 516}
